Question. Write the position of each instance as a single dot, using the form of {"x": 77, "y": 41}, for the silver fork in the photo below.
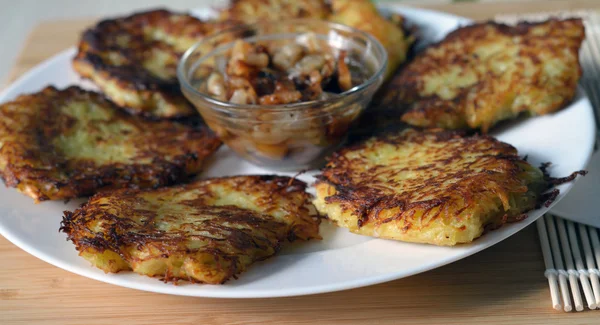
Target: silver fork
{"x": 563, "y": 241}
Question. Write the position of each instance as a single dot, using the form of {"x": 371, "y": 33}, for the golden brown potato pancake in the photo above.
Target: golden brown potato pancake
{"x": 207, "y": 231}
{"x": 252, "y": 11}
{"x": 361, "y": 14}
{"x": 434, "y": 186}
{"x": 134, "y": 59}
{"x": 61, "y": 144}
{"x": 484, "y": 73}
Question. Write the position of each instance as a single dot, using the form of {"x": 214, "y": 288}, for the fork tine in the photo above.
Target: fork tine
{"x": 556, "y": 255}
{"x": 580, "y": 268}
{"x": 591, "y": 264}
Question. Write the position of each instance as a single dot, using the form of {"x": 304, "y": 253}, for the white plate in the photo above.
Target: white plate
{"x": 342, "y": 260}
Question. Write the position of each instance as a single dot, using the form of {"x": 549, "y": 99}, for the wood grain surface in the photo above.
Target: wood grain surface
{"x": 501, "y": 285}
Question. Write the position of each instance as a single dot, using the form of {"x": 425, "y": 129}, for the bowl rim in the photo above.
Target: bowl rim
{"x": 227, "y": 106}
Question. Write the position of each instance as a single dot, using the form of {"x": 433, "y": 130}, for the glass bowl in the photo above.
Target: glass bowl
{"x": 292, "y": 136}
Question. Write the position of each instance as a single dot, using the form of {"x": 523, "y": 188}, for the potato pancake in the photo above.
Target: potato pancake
{"x": 61, "y": 144}
{"x": 134, "y": 59}
{"x": 207, "y": 231}
{"x": 484, "y": 73}
{"x": 434, "y": 186}
{"x": 363, "y": 15}
{"x": 252, "y": 11}
{"x": 360, "y": 14}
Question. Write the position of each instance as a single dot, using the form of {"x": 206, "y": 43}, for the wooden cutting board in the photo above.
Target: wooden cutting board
{"x": 502, "y": 285}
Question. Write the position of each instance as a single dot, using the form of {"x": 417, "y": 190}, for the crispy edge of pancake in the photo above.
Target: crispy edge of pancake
{"x": 353, "y": 199}
{"x": 28, "y": 158}
{"x": 131, "y": 85}
{"x": 157, "y": 98}
{"x": 402, "y": 92}
{"x": 237, "y": 237}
